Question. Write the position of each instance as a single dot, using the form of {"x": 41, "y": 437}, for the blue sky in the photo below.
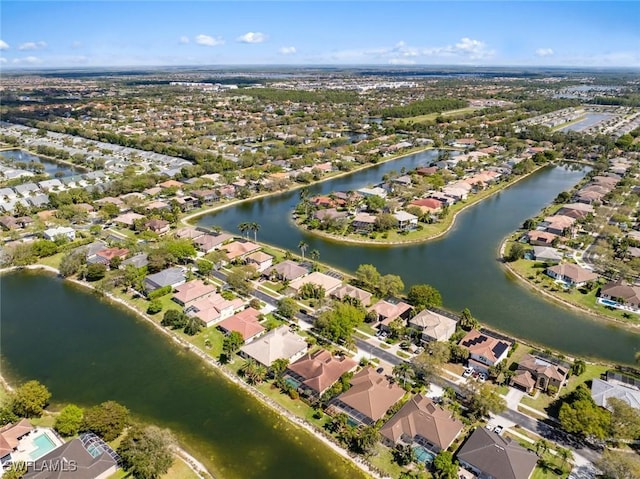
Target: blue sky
{"x": 148, "y": 33}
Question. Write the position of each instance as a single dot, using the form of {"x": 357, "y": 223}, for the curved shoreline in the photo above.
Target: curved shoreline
{"x": 50, "y": 158}
{"x": 186, "y": 220}
{"x": 595, "y": 316}
{"x": 369, "y": 242}
{"x": 284, "y": 413}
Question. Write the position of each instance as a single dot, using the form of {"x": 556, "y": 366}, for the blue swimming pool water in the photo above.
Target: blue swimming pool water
{"x": 608, "y": 302}
{"x": 422, "y": 455}
{"x": 44, "y": 445}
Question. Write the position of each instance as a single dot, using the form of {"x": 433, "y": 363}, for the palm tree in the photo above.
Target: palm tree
{"x": 253, "y": 372}
{"x": 244, "y": 228}
{"x": 255, "y": 227}
{"x": 541, "y": 447}
{"x": 566, "y": 455}
{"x": 314, "y": 254}
{"x": 303, "y": 247}
{"x": 403, "y": 371}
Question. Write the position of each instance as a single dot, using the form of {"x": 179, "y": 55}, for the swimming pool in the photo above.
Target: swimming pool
{"x": 44, "y": 445}
{"x": 608, "y": 302}
{"x": 422, "y": 455}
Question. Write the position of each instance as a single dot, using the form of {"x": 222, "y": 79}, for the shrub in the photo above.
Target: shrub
{"x": 154, "y": 307}
{"x": 160, "y": 292}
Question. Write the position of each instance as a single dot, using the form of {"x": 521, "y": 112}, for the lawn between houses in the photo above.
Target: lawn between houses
{"x": 532, "y": 272}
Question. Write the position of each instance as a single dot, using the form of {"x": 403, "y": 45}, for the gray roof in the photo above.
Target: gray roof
{"x": 93, "y": 248}
{"x": 85, "y": 465}
{"x": 602, "y": 391}
{"x": 546, "y": 253}
{"x": 26, "y": 188}
{"x": 496, "y": 456}
{"x": 167, "y": 277}
{"x": 139, "y": 260}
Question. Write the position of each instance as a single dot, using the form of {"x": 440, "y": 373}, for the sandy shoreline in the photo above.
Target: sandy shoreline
{"x": 295, "y": 420}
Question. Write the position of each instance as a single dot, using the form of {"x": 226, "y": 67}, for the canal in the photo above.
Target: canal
{"x": 86, "y": 351}
{"x": 462, "y": 264}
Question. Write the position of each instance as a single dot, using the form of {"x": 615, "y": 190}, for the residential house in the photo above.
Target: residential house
{"x": 113, "y": 201}
{"x": 10, "y": 435}
{"x": 558, "y": 224}
{"x": 329, "y": 214}
{"x": 428, "y": 205}
{"x": 540, "y": 238}
{"x": 457, "y": 191}
{"x": 86, "y": 457}
{"x": 206, "y": 196}
{"x": 433, "y": 326}
{"x": 188, "y": 293}
{"x": 105, "y": 256}
{"x": 571, "y": 274}
{"x": 369, "y": 398}
{"x": 127, "y": 219}
{"x": 377, "y": 191}
{"x": 489, "y": 455}
{"x": 363, "y": 223}
{"x": 139, "y": 260}
{"x": 576, "y": 210}
{"x": 8, "y": 223}
{"x": 388, "y": 312}
{"x": 279, "y": 343}
{"x": 158, "y": 226}
{"x": 240, "y": 249}
{"x": 212, "y": 308}
{"x": 602, "y": 391}
{"x": 286, "y": 271}
{"x": 260, "y": 260}
{"x": 158, "y": 206}
{"x": 188, "y": 232}
{"x": 170, "y": 184}
{"x": 245, "y": 322}
{"x": 328, "y": 283}
{"x": 427, "y": 171}
{"x": 484, "y": 351}
{"x": 588, "y": 197}
{"x": 207, "y": 243}
{"x": 547, "y": 254}
{"x": 535, "y": 372}
{"x": 169, "y": 277}
{"x": 406, "y": 221}
{"x": 62, "y": 231}
{"x": 347, "y": 291}
{"x": 423, "y": 422}
{"x": 316, "y": 373}
{"x": 622, "y": 294}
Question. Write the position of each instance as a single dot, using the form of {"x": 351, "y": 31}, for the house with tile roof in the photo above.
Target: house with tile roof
{"x": 571, "y": 274}
{"x": 240, "y": 249}
{"x": 188, "y": 293}
{"x": 347, "y": 291}
{"x": 10, "y": 436}
{"x": 390, "y": 311}
{"x": 489, "y": 455}
{"x": 244, "y": 322}
{"x": 534, "y": 372}
{"x": 422, "y": 422}
{"x": 316, "y": 373}
{"x": 260, "y": 260}
{"x": 286, "y": 271}
{"x": 369, "y": 398}
{"x": 433, "y": 326}
{"x": 279, "y": 343}
{"x": 484, "y": 351}
{"x": 212, "y": 308}
{"x": 328, "y": 283}
{"x": 621, "y": 293}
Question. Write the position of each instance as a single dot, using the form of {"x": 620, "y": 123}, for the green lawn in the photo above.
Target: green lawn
{"x": 52, "y": 261}
{"x": 296, "y": 406}
{"x": 433, "y": 116}
{"x": 383, "y": 460}
{"x": 180, "y": 470}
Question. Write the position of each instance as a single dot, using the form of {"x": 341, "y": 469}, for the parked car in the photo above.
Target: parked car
{"x": 380, "y": 370}
{"x": 498, "y": 429}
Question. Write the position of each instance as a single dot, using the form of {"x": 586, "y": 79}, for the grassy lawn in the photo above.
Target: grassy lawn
{"x": 271, "y": 322}
{"x": 433, "y": 116}
{"x": 180, "y": 470}
{"x": 383, "y": 460}
{"x": 47, "y": 420}
{"x": 52, "y": 261}
{"x": 367, "y": 328}
{"x": 296, "y": 406}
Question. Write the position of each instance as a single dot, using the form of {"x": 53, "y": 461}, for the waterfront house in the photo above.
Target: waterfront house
{"x": 571, "y": 274}
{"x": 540, "y": 238}
{"x": 347, "y": 291}
{"x": 547, "y": 254}
{"x": 622, "y": 294}
{"x": 105, "y": 256}
{"x": 169, "y": 277}
{"x": 62, "y": 231}
{"x": 212, "y": 308}
{"x": 422, "y": 422}
{"x": 364, "y": 223}
{"x": 489, "y": 455}
{"x": 576, "y": 210}
{"x": 406, "y": 221}
{"x": 484, "y": 351}
{"x": 240, "y": 249}
{"x": 315, "y": 373}
{"x": 602, "y": 391}
{"x": 260, "y": 260}
{"x": 534, "y": 372}
{"x": 279, "y": 343}
{"x": 206, "y": 243}
{"x": 139, "y": 260}
{"x": 433, "y": 326}
{"x": 558, "y": 224}
{"x": 10, "y": 435}
{"x": 244, "y": 322}
{"x": 329, "y": 214}
{"x": 328, "y": 283}
{"x": 188, "y": 232}
{"x": 286, "y": 271}
{"x": 188, "y": 293}
{"x": 158, "y": 206}
{"x": 387, "y": 312}
{"x": 206, "y": 196}
{"x": 377, "y": 191}
{"x": 369, "y": 398}
{"x": 428, "y": 205}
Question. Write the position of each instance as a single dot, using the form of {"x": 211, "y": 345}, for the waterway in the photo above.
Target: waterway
{"x": 86, "y": 351}
{"x": 462, "y": 264}
{"x": 50, "y": 167}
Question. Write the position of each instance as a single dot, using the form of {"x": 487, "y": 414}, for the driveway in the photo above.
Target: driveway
{"x": 513, "y": 398}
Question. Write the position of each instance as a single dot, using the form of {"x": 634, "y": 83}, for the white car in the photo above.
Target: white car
{"x": 467, "y": 372}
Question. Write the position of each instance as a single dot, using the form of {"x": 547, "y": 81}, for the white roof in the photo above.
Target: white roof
{"x": 602, "y": 391}
{"x": 279, "y": 343}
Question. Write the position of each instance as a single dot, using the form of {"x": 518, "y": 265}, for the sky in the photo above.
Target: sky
{"x": 55, "y": 34}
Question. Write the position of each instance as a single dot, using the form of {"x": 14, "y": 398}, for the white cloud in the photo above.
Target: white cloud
{"x": 33, "y": 46}
{"x": 184, "y": 39}
{"x": 208, "y": 40}
{"x": 30, "y": 60}
{"x": 544, "y": 52}
{"x": 252, "y": 37}
{"x": 401, "y": 61}
{"x": 4, "y": 45}
{"x": 3, "y": 60}
{"x": 287, "y": 50}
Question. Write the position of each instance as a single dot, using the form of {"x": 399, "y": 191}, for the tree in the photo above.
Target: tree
{"x": 619, "y": 465}
{"x": 578, "y": 367}
{"x": 278, "y": 367}
{"x": 69, "y": 421}
{"x": 314, "y": 254}
{"x": 255, "y": 227}
{"x": 30, "y": 399}
{"x": 204, "y": 267}
{"x": 390, "y": 285}
{"x": 71, "y": 263}
{"x": 367, "y": 276}
{"x": 7, "y": 415}
{"x": 244, "y": 228}
{"x": 364, "y": 439}
{"x": 566, "y": 455}
{"x": 403, "y": 372}
{"x": 583, "y": 417}
{"x": 422, "y": 296}
{"x": 444, "y": 466}
{"x": 193, "y": 326}
{"x": 96, "y": 272}
{"x": 403, "y": 454}
{"x": 312, "y": 291}
{"x": 147, "y": 453}
{"x": 625, "y": 419}
{"x": 515, "y": 253}
{"x": 154, "y": 306}
{"x": 385, "y": 222}
{"x": 302, "y": 246}
{"x": 484, "y": 398}
{"x": 179, "y": 250}
{"x": 238, "y": 279}
{"x": 287, "y": 307}
{"x": 375, "y": 203}
{"x": 107, "y": 420}
{"x": 541, "y": 446}
{"x": 232, "y": 343}
{"x": 338, "y": 324}
{"x": 174, "y": 319}
{"x": 253, "y": 372}
{"x": 467, "y": 321}
{"x": 429, "y": 363}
